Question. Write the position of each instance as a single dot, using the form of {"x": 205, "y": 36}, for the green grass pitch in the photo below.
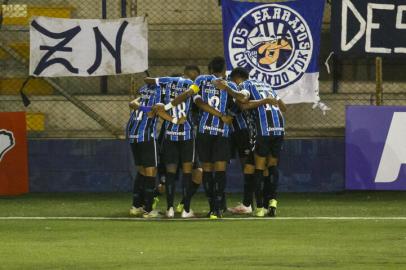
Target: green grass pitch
{"x": 340, "y": 242}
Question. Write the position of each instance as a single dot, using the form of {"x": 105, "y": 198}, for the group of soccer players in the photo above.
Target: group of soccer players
{"x": 205, "y": 120}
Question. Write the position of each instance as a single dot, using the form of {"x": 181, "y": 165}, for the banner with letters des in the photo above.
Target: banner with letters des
{"x": 375, "y": 139}
{"x": 362, "y": 28}
{"x": 73, "y": 47}
{"x": 277, "y": 42}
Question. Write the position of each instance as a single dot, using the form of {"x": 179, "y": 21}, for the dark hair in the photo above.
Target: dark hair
{"x": 192, "y": 67}
{"x": 240, "y": 73}
{"x": 209, "y": 67}
{"x": 218, "y": 64}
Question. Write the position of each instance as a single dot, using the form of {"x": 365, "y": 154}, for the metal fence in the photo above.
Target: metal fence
{"x": 180, "y": 32}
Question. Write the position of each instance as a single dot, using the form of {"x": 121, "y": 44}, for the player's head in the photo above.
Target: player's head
{"x": 191, "y": 72}
{"x": 239, "y": 74}
{"x": 218, "y": 66}
{"x": 209, "y": 68}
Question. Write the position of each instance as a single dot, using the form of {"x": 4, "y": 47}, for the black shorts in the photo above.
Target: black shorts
{"x": 175, "y": 152}
{"x": 212, "y": 148}
{"x": 240, "y": 143}
{"x": 145, "y": 153}
{"x": 268, "y": 145}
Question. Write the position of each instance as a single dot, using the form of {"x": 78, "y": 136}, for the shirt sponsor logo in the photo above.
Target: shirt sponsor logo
{"x": 221, "y": 130}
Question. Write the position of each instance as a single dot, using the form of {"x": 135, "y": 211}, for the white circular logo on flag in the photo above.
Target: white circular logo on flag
{"x": 274, "y": 42}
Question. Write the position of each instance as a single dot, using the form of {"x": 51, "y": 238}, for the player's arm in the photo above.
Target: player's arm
{"x": 207, "y": 108}
{"x": 253, "y": 104}
{"x": 240, "y": 96}
{"x": 193, "y": 89}
{"x": 149, "y": 80}
{"x": 281, "y": 104}
{"x": 135, "y": 104}
{"x": 159, "y": 110}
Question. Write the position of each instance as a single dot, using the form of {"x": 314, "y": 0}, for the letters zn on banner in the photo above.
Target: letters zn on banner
{"x": 69, "y": 47}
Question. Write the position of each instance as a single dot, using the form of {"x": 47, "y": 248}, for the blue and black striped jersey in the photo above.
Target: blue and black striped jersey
{"x": 171, "y": 88}
{"x": 239, "y": 121}
{"x": 216, "y": 98}
{"x": 140, "y": 128}
{"x": 269, "y": 119}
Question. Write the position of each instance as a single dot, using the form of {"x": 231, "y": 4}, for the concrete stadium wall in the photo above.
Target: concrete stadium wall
{"x": 307, "y": 165}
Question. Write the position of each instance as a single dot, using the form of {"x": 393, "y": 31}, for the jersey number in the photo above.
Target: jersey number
{"x": 139, "y": 115}
{"x": 214, "y": 102}
{"x": 180, "y": 110}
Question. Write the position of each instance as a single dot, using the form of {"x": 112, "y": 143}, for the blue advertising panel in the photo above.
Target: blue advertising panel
{"x": 375, "y": 148}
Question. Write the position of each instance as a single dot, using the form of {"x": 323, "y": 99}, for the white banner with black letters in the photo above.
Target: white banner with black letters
{"x": 73, "y": 47}
{"x": 369, "y": 28}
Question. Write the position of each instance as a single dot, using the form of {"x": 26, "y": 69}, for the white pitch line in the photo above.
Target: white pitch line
{"x": 200, "y": 219}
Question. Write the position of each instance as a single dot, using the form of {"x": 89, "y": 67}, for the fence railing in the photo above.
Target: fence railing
{"x": 180, "y": 32}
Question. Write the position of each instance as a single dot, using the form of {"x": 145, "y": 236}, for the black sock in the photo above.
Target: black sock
{"x": 137, "y": 190}
{"x": 170, "y": 189}
{"x": 223, "y": 202}
{"x": 209, "y": 188}
{"x": 191, "y": 190}
{"x": 274, "y": 174}
{"x": 185, "y": 183}
{"x": 248, "y": 189}
{"x": 267, "y": 189}
{"x": 220, "y": 185}
{"x": 149, "y": 184}
{"x": 259, "y": 183}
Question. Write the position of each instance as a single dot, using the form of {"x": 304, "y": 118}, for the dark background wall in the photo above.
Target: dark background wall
{"x": 307, "y": 165}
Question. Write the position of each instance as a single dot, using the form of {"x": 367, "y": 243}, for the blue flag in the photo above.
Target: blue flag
{"x": 278, "y": 43}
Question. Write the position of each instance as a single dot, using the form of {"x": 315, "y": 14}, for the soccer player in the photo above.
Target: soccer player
{"x": 179, "y": 142}
{"x": 214, "y": 127}
{"x": 270, "y": 130}
{"x": 141, "y": 132}
{"x": 243, "y": 142}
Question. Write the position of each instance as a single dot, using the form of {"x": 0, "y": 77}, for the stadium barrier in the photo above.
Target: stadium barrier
{"x": 97, "y": 107}
{"x": 89, "y": 165}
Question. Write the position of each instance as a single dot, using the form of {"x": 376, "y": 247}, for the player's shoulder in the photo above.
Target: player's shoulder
{"x": 186, "y": 80}
{"x": 144, "y": 88}
{"x": 246, "y": 84}
{"x": 202, "y": 77}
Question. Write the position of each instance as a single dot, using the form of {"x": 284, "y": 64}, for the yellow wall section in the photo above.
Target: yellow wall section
{"x": 21, "y": 14}
{"x": 35, "y": 121}
{"x": 35, "y": 86}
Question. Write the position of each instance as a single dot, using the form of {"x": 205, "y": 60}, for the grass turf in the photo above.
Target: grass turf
{"x": 237, "y": 244}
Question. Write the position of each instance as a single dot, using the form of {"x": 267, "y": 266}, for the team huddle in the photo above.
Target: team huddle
{"x": 195, "y": 124}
